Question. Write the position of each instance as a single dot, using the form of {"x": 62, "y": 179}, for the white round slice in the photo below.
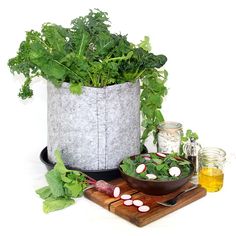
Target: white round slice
{"x": 137, "y": 203}
{"x": 128, "y": 202}
{"x": 147, "y": 158}
{"x": 116, "y": 192}
{"x": 161, "y": 154}
{"x": 140, "y": 168}
{"x": 144, "y": 208}
{"x": 151, "y": 176}
{"x": 125, "y": 197}
{"x": 174, "y": 171}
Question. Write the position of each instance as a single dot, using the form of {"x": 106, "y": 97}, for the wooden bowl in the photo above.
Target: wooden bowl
{"x": 156, "y": 187}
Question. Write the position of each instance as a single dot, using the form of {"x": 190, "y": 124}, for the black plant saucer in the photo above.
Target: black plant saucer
{"x": 109, "y": 174}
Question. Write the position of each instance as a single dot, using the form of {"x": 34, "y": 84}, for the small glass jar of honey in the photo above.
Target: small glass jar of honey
{"x": 211, "y": 164}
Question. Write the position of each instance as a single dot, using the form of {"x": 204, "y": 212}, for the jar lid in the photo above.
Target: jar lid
{"x": 169, "y": 125}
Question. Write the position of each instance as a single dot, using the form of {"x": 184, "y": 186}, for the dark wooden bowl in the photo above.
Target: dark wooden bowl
{"x": 156, "y": 187}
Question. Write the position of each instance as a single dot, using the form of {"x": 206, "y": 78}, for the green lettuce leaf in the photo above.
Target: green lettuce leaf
{"x": 44, "y": 192}
{"x": 50, "y": 205}
{"x": 55, "y": 183}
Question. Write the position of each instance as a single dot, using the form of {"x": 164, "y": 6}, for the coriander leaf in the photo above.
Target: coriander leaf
{"x": 44, "y": 192}
{"x": 50, "y": 205}
{"x": 55, "y": 183}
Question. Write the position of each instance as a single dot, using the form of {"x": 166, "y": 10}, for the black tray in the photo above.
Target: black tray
{"x": 96, "y": 174}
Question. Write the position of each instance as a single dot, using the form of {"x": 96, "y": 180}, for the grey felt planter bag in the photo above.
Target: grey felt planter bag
{"x": 97, "y": 129}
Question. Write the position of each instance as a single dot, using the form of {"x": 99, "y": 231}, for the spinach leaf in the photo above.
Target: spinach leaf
{"x": 128, "y": 166}
{"x": 158, "y": 166}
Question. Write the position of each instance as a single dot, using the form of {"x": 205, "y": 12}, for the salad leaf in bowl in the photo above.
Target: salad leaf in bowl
{"x": 156, "y": 173}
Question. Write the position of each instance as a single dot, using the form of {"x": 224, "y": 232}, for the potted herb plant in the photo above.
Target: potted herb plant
{"x": 94, "y": 78}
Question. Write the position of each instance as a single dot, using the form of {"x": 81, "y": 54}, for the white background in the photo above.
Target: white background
{"x": 198, "y": 37}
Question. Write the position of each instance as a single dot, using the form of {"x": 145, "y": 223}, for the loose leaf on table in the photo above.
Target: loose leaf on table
{"x": 44, "y": 192}
{"x": 74, "y": 189}
{"x": 51, "y": 204}
{"x": 60, "y": 167}
{"x": 63, "y": 185}
{"x": 55, "y": 183}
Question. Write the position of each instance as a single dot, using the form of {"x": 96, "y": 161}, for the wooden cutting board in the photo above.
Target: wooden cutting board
{"x": 131, "y": 213}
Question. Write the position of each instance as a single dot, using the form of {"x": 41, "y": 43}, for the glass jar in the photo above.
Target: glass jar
{"x": 169, "y": 136}
{"x": 211, "y": 163}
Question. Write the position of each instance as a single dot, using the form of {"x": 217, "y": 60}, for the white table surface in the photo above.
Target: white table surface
{"x": 21, "y": 208}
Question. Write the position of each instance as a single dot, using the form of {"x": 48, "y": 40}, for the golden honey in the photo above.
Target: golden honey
{"x": 211, "y": 178}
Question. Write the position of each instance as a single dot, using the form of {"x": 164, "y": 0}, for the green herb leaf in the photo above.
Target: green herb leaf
{"x": 55, "y": 183}
{"x": 50, "y": 205}
{"x": 188, "y": 136}
{"x": 62, "y": 185}
{"x": 74, "y": 189}
{"x": 59, "y": 167}
{"x": 44, "y": 192}
{"x": 145, "y": 44}
{"x": 128, "y": 166}
{"x": 76, "y": 88}
{"x": 158, "y": 166}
